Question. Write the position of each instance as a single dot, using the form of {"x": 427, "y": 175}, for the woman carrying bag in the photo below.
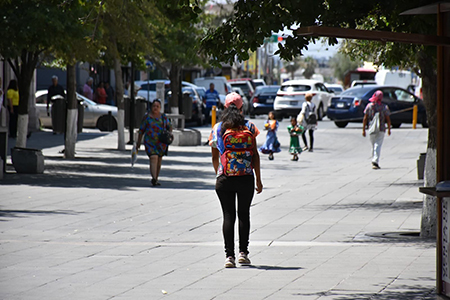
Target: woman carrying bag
{"x": 236, "y": 162}
{"x": 156, "y": 129}
{"x": 308, "y": 119}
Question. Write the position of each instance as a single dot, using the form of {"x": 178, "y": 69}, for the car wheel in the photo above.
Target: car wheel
{"x": 104, "y": 124}
{"x": 396, "y": 124}
{"x": 279, "y": 117}
{"x": 320, "y": 113}
{"x": 341, "y": 124}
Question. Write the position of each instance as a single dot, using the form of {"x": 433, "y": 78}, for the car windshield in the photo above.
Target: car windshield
{"x": 334, "y": 89}
{"x": 295, "y": 88}
{"x": 244, "y": 86}
{"x": 267, "y": 89}
{"x": 86, "y": 100}
{"x": 201, "y": 92}
{"x": 356, "y": 92}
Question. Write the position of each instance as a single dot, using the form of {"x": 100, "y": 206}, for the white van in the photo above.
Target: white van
{"x": 220, "y": 85}
{"x": 398, "y": 78}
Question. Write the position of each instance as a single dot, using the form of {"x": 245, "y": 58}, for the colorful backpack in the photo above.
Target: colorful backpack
{"x": 236, "y": 158}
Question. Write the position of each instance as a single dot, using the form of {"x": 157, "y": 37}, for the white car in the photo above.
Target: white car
{"x": 335, "y": 88}
{"x": 147, "y": 89}
{"x": 95, "y": 115}
{"x": 291, "y": 96}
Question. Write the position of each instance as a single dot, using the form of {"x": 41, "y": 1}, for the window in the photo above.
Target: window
{"x": 404, "y": 96}
{"x": 295, "y": 88}
{"x": 42, "y": 99}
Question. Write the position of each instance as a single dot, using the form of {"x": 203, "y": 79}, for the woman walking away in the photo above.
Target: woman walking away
{"x": 153, "y": 124}
{"x": 12, "y": 97}
{"x": 294, "y": 145}
{"x": 235, "y": 160}
{"x": 376, "y": 115}
{"x": 308, "y": 119}
{"x": 271, "y": 145}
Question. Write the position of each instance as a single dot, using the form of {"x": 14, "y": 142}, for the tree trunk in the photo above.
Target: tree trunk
{"x": 120, "y": 104}
{"x": 429, "y": 88}
{"x": 23, "y": 68}
{"x": 72, "y": 113}
{"x": 175, "y": 86}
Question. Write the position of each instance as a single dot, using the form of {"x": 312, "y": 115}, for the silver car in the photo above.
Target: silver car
{"x": 95, "y": 115}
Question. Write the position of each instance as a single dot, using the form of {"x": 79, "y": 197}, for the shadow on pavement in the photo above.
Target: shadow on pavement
{"x": 402, "y": 292}
{"x": 395, "y": 206}
{"x": 25, "y": 213}
{"x": 272, "y": 268}
{"x": 46, "y": 139}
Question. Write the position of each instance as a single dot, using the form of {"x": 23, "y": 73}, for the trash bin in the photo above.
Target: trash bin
{"x": 58, "y": 114}
{"x": 140, "y": 109}
{"x": 186, "y": 108}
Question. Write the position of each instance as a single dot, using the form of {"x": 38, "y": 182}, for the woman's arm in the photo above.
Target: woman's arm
{"x": 257, "y": 168}
{"x": 388, "y": 120}
{"x": 215, "y": 154}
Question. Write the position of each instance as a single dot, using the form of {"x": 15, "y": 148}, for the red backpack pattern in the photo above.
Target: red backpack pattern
{"x": 236, "y": 159}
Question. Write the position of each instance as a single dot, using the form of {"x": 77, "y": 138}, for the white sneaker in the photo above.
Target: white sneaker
{"x": 230, "y": 262}
{"x": 243, "y": 259}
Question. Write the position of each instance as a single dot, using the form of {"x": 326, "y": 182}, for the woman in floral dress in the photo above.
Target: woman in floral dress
{"x": 151, "y": 128}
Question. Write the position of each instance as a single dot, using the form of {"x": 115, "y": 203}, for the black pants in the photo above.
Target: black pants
{"x": 13, "y": 117}
{"x": 311, "y": 138}
{"x": 227, "y": 188}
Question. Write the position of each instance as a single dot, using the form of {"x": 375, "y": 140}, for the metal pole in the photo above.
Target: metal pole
{"x": 414, "y": 116}
{"x": 213, "y": 115}
{"x": 131, "y": 125}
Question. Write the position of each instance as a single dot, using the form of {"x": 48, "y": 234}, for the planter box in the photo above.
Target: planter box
{"x": 27, "y": 161}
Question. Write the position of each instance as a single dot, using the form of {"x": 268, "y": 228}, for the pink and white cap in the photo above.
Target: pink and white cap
{"x": 233, "y": 98}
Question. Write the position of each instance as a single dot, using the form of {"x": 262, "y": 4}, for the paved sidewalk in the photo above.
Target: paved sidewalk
{"x": 93, "y": 228}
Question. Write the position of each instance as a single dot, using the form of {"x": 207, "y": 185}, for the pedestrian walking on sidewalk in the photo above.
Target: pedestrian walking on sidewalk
{"x": 376, "y": 115}
{"x": 308, "y": 119}
{"x": 12, "y": 98}
{"x": 236, "y": 162}
{"x": 153, "y": 124}
{"x": 294, "y": 145}
{"x": 271, "y": 145}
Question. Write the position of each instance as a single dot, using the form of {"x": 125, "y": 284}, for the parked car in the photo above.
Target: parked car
{"x": 262, "y": 100}
{"x": 245, "y": 85}
{"x": 335, "y": 88}
{"x": 220, "y": 85}
{"x": 363, "y": 82}
{"x": 244, "y": 99}
{"x": 147, "y": 89}
{"x": 258, "y": 82}
{"x": 292, "y": 93}
{"x": 349, "y": 106}
{"x": 198, "y": 106}
{"x": 95, "y": 115}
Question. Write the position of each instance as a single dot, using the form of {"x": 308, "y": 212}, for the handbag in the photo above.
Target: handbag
{"x": 374, "y": 127}
{"x": 166, "y": 137}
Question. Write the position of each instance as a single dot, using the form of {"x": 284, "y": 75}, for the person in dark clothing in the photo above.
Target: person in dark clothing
{"x": 53, "y": 90}
{"x": 109, "y": 94}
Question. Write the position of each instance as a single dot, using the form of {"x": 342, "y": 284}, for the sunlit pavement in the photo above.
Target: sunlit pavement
{"x": 325, "y": 227}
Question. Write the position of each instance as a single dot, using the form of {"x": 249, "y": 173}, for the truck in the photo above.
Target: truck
{"x": 398, "y": 78}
